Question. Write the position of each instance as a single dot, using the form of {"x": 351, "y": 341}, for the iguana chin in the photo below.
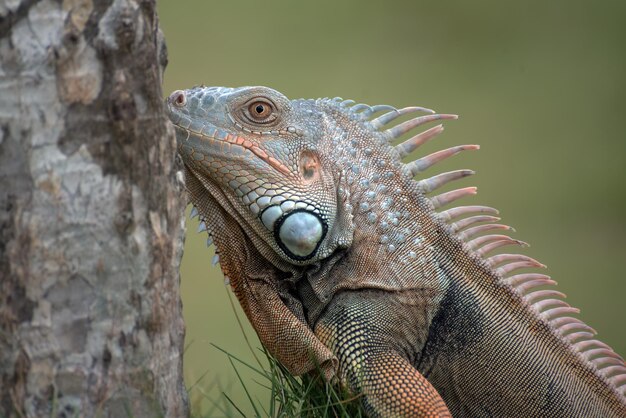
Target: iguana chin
{"x": 341, "y": 260}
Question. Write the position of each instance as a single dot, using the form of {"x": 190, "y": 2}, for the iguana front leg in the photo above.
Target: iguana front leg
{"x": 374, "y": 360}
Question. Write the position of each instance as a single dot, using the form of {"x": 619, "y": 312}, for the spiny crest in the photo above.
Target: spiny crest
{"x": 469, "y": 223}
{"x": 202, "y": 227}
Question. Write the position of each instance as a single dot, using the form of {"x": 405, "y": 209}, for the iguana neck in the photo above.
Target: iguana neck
{"x": 394, "y": 244}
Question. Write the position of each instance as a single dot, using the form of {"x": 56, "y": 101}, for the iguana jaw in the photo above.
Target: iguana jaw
{"x": 218, "y": 217}
{"x": 221, "y": 143}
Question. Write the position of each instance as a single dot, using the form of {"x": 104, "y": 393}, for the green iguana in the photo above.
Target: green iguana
{"x": 341, "y": 260}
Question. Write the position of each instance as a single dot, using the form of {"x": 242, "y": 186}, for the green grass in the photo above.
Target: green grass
{"x": 308, "y": 396}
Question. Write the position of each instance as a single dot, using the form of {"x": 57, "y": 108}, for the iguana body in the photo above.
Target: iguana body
{"x": 341, "y": 260}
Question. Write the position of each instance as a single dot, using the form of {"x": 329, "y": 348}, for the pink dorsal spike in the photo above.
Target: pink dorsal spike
{"x": 544, "y": 294}
{"x": 503, "y": 242}
{"x": 417, "y": 141}
{"x": 428, "y": 161}
{"x": 542, "y": 305}
{"x": 480, "y": 241}
{"x": 508, "y": 258}
{"x": 518, "y": 279}
{"x": 449, "y": 197}
{"x": 601, "y": 352}
{"x": 472, "y": 232}
{"x": 440, "y": 180}
{"x": 602, "y": 362}
{"x": 404, "y": 127}
{"x": 459, "y": 211}
{"x": 575, "y": 337}
{"x": 614, "y": 370}
{"x": 525, "y": 287}
{"x": 507, "y": 268}
{"x": 575, "y": 326}
{"x": 464, "y": 223}
{"x": 560, "y": 311}
{"x": 589, "y": 344}
{"x": 382, "y": 120}
{"x": 619, "y": 380}
{"x": 562, "y": 321}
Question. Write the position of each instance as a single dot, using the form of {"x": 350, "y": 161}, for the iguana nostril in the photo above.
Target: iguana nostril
{"x": 178, "y": 98}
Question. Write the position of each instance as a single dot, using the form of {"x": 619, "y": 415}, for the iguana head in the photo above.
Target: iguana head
{"x": 298, "y": 175}
{"x": 266, "y": 155}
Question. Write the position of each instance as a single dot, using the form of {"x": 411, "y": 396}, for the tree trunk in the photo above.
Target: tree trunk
{"x": 90, "y": 214}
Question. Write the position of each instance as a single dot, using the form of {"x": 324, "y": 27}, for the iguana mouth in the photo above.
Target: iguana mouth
{"x": 215, "y": 135}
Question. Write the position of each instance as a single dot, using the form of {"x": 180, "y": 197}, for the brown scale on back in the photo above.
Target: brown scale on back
{"x": 341, "y": 259}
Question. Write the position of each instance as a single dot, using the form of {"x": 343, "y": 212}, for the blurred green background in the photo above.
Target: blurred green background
{"x": 540, "y": 85}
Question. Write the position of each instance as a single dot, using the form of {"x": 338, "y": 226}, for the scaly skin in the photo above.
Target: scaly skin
{"x": 340, "y": 259}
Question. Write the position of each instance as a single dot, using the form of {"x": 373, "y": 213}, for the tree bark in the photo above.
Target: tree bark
{"x": 90, "y": 214}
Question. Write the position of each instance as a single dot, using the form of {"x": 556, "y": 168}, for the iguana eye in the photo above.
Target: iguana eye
{"x": 260, "y": 111}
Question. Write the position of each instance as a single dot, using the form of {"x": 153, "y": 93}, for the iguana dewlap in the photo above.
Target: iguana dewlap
{"x": 341, "y": 259}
